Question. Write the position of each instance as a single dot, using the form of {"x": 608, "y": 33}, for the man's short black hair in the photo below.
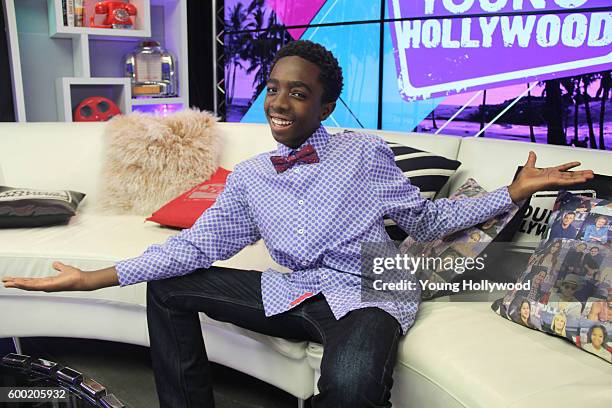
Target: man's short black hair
{"x": 331, "y": 73}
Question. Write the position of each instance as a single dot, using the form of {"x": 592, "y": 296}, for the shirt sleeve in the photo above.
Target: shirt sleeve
{"x": 587, "y": 233}
{"x": 219, "y": 233}
{"x": 427, "y": 220}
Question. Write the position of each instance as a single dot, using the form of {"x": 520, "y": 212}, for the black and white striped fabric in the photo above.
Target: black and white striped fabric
{"x": 427, "y": 171}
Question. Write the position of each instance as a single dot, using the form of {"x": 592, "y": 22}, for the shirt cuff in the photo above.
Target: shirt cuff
{"x": 126, "y": 272}
{"x": 504, "y": 201}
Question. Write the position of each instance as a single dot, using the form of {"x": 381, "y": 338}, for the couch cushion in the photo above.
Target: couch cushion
{"x": 295, "y": 350}
{"x": 74, "y": 159}
{"x": 71, "y": 162}
{"x": 480, "y": 360}
{"x": 93, "y": 241}
{"x": 502, "y": 157}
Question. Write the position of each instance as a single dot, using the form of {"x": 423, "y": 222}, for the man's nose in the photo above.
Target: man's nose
{"x": 281, "y": 102}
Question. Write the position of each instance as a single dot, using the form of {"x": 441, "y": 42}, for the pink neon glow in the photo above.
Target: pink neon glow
{"x": 296, "y": 12}
{"x": 504, "y": 93}
{"x": 162, "y": 109}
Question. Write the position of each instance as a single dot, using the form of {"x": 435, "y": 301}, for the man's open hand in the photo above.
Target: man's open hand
{"x": 532, "y": 179}
{"x": 68, "y": 278}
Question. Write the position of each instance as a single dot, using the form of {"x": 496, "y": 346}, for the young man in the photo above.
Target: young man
{"x": 564, "y": 298}
{"x": 598, "y": 232}
{"x": 563, "y": 228}
{"x": 313, "y": 201}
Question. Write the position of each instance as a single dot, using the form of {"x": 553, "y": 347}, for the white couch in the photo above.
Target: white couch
{"x": 458, "y": 354}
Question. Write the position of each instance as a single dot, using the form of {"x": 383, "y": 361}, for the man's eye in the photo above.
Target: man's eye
{"x": 271, "y": 90}
{"x": 298, "y": 95}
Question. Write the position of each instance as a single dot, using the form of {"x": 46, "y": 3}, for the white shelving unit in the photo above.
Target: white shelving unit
{"x": 13, "y": 45}
{"x": 54, "y": 66}
{"x": 57, "y": 29}
{"x": 70, "y": 91}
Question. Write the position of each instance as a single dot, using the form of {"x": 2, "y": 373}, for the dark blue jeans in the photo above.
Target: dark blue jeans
{"x": 360, "y": 349}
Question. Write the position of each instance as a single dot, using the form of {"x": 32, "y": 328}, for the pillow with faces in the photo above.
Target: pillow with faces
{"x": 566, "y": 289}
{"x": 462, "y": 245}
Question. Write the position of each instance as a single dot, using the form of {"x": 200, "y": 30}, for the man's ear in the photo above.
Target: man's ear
{"x": 328, "y": 109}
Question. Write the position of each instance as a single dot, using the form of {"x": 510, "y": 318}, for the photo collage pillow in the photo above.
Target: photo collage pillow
{"x": 469, "y": 242}
{"x": 567, "y": 285}
{"x": 540, "y": 208}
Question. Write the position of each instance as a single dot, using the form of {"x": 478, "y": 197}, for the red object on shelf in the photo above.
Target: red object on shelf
{"x": 116, "y": 14}
{"x": 96, "y": 109}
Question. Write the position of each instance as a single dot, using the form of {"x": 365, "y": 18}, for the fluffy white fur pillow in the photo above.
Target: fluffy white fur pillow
{"x": 150, "y": 160}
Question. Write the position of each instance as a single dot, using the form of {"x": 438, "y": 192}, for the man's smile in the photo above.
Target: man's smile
{"x": 280, "y": 122}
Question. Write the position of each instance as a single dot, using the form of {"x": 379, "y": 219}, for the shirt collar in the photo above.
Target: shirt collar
{"x": 318, "y": 140}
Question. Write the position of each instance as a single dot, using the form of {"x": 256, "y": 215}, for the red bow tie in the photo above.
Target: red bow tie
{"x": 307, "y": 155}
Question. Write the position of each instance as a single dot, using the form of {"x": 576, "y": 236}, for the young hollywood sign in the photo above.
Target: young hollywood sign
{"x": 449, "y": 46}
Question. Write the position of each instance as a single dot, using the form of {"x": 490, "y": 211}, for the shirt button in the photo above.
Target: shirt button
{"x": 300, "y": 231}
{"x": 324, "y": 275}
{"x": 304, "y": 263}
{"x": 297, "y": 169}
{"x": 301, "y": 202}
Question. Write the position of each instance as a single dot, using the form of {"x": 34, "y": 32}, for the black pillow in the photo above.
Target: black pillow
{"x": 26, "y": 207}
{"x": 425, "y": 170}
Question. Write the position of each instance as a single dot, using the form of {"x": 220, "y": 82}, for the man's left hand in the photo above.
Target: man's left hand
{"x": 532, "y": 179}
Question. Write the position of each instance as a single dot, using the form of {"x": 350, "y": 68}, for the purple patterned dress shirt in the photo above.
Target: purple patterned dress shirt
{"x": 313, "y": 218}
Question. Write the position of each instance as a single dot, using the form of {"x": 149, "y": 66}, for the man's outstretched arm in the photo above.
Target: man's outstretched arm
{"x": 68, "y": 278}
{"x": 532, "y": 179}
{"x": 222, "y": 231}
{"x": 427, "y": 220}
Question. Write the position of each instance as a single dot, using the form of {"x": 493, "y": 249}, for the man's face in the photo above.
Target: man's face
{"x": 474, "y": 237}
{"x": 293, "y": 103}
{"x": 600, "y": 222}
{"x": 568, "y": 289}
{"x": 568, "y": 218}
{"x": 525, "y": 311}
{"x": 559, "y": 323}
{"x": 597, "y": 337}
{"x": 539, "y": 278}
{"x": 594, "y": 251}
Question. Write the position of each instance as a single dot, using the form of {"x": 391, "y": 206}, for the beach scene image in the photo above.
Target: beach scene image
{"x": 571, "y": 111}
{"x": 508, "y": 113}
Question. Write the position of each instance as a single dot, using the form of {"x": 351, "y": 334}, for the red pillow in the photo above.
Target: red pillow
{"x": 184, "y": 210}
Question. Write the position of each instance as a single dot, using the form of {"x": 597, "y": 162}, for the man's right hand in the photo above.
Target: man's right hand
{"x": 68, "y": 278}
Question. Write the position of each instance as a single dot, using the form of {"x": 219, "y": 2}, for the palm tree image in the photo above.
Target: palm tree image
{"x": 253, "y": 36}
{"x": 586, "y": 81}
{"x": 266, "y": 40}
{"x": 553, "y": 113}
{"x": 605, "y": 86}
{"x": 577, "y": 95}
{"x": 569, "y": 85}
{"x": 233, "y": 47}
{"x": 529, "y": 117}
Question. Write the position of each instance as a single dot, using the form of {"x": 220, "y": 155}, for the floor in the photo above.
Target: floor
{"x": 133, "y": 383}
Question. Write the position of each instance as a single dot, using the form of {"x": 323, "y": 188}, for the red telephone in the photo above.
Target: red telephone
{"x": 116, "y": 14}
